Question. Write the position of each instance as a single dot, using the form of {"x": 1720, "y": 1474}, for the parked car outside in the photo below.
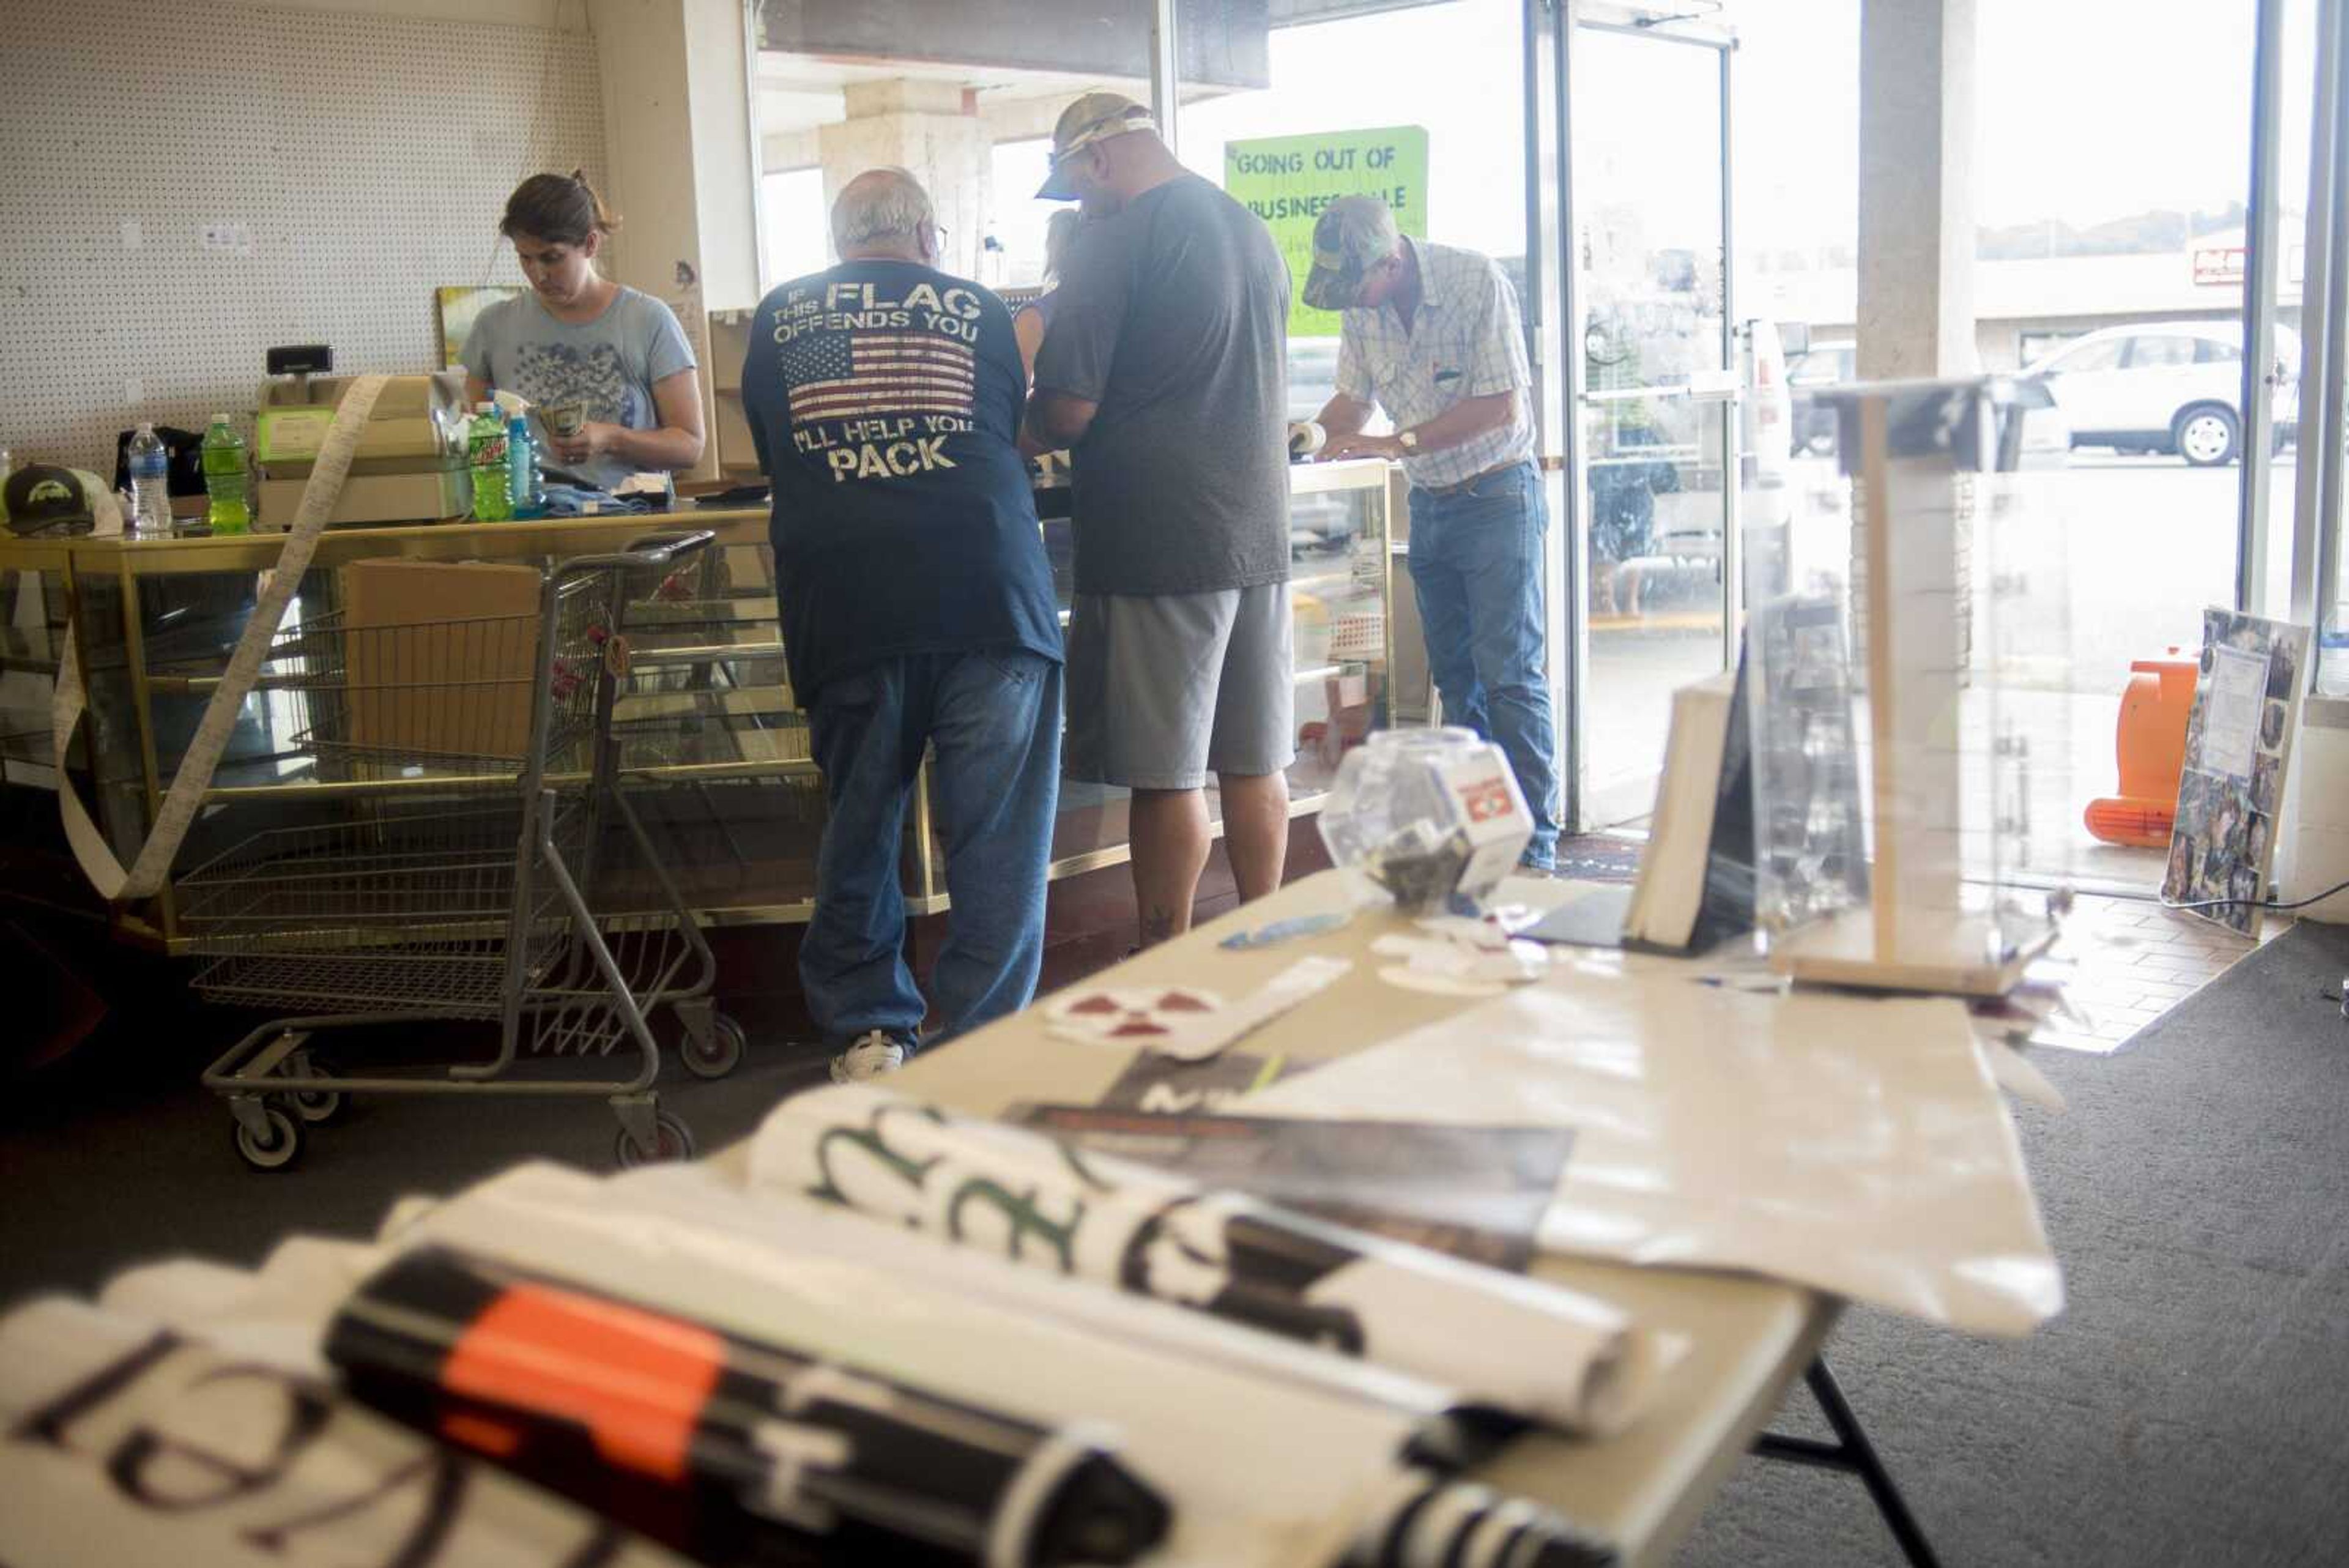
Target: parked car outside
{"x": 2174, "y": 388}
{"x": 2046, "y": 431}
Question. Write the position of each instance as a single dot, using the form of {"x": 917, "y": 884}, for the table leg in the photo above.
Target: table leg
{"x": 1852, "y": 1454}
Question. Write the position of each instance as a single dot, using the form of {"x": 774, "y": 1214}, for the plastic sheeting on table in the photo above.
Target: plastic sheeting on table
{"x": 1854, "y": 1145}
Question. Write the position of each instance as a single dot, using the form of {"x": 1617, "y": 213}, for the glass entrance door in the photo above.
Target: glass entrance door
{"x": 1654, "y": 429}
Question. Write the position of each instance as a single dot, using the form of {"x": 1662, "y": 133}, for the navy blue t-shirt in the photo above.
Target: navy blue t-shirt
{"x": 884, "y": 398}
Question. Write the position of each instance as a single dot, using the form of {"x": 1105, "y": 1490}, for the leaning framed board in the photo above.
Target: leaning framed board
{"x": 2238, "y": 745}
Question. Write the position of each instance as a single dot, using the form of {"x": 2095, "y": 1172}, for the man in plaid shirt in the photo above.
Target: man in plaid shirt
{"x": 1432, "y": 336}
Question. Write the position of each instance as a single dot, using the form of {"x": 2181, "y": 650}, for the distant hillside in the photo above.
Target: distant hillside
{"x": 2145, "y": 234}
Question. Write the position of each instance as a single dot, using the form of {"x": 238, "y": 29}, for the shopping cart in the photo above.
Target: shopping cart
{"x": 478, "y": 781}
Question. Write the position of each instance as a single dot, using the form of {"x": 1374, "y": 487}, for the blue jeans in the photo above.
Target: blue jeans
{"x": 1477, "y": 564}
{"x": 995, "y": 721}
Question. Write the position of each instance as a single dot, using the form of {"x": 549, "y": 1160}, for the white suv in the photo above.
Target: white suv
{"x": 2174, "y": 387}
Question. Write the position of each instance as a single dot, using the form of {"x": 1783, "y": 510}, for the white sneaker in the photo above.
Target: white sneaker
{"x": 869, "y": 1055}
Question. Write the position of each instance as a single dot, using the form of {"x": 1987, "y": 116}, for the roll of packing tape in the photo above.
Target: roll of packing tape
{"x": 1305, "y": 438}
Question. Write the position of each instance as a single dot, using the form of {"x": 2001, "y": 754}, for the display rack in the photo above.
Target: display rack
{"x": 1894, "y": 741}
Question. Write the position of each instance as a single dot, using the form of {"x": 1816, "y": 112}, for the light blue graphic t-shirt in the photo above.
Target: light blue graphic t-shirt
{"x": 608, "y": 365}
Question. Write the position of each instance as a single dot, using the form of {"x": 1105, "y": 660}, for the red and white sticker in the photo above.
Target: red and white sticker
{"x": 1132, "y": 1013}
{"x": 1181, "y": 1019}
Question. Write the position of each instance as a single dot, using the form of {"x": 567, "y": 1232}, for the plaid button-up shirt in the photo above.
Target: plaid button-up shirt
{"x": 1463, "y": 342}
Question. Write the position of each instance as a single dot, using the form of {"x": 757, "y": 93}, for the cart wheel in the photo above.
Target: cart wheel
{"x": 316, "y": 1107}
{"x": 719, "y": 1054}
{"x": 283, "y": 1145}
{"x": 671, "y": 1141}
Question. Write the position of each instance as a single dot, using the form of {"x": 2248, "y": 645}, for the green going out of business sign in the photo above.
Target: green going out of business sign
{"x": 1286, "y": 181}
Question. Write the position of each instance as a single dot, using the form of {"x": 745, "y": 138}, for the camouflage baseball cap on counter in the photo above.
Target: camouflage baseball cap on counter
{"x": 1096, "y": 117}
{"x": 41, "y": 498}
{"x": 1353, "y": 234}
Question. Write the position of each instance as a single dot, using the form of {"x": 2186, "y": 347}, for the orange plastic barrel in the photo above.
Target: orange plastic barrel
{"x": 2149, "y": 743}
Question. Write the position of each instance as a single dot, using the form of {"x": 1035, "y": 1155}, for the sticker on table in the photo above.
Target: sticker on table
{"x": 1132, "y": 1013}
{"x": 1180, "y": 1019}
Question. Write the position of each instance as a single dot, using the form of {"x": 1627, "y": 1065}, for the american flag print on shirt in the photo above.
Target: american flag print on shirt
{"x": 851, "y": 375}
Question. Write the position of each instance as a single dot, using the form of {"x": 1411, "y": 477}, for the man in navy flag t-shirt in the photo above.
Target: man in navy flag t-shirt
{"x": 884, "y": 398}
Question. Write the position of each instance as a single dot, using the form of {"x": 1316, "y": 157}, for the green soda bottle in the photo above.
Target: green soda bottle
{"x": 225, "y": 478}
{"x": 485, "y": 442}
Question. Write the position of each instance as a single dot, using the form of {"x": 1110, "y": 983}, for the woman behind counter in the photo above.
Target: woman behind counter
{"x": 607, "y": 361}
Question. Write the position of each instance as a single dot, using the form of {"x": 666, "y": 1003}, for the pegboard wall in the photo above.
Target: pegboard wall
{"x": 186, "y": 184}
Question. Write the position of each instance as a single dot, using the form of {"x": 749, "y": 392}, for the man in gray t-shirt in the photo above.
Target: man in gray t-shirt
{"x": 1165, "y": 371}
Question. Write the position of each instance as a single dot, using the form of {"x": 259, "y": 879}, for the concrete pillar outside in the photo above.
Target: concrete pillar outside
{"x": 931, "y": 129}
{"x": 1916, "y": 306}
{"x": 1916, "y": 189}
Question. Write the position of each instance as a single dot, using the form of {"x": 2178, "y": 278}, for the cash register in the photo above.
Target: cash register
{"x": 408, "y": 466}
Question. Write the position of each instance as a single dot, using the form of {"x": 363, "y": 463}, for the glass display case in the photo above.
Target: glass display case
{"x": 1343, "y": 644}
{"x": 1901, "y": 645}
{"x": 707, "y": 732}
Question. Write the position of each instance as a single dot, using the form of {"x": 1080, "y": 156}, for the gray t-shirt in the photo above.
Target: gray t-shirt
{"x": 608, "y": 365}
{"x": 1172, "y": 317}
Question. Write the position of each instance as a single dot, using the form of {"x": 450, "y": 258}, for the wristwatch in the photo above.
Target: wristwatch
{"x": 1407, "y": 440}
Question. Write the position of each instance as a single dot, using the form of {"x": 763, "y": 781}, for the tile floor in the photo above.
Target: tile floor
{"x": 2119, "y": 965}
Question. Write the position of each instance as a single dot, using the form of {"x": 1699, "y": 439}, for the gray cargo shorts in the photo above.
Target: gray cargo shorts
{"x": 1165, "y": 688}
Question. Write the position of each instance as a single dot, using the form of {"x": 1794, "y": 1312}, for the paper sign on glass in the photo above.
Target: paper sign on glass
{"x": 2230, "y": 723}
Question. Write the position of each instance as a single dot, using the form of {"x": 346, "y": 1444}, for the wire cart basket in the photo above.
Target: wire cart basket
{"x": 457, "y": 891}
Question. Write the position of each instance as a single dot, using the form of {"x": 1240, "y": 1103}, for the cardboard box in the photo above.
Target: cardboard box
{"x": 410, "y": 495}
{"x": 440, "y": 658}
{"x": 285, "y": 438}
{"x": 404, "y": 423}
{"x": 402, "y": 397}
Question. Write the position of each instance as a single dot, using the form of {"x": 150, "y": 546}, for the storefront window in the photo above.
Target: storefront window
{"x": 1452, "y": 69}
{"x": 1017, "y": 219}
{"x": 2110, "y": 195}
{"x": 794, "y": 225}
{"x": 1447, "y": 76}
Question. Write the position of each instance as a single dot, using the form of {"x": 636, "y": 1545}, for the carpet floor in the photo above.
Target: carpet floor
{"x": 2191, "y": 1405}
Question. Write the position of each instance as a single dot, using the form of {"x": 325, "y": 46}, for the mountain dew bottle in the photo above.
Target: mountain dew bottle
{"x": 225, "y": 478}
{"x": 485, "y": 444}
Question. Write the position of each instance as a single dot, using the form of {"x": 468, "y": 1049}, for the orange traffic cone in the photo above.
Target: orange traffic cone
{"x": 2151, "y": 741}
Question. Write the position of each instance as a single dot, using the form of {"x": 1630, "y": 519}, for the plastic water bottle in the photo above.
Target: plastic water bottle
{"x": 225, "y": 479}
{"x": 525, "y": 488}
{"x": 485, "y": 447}
{"x": 150, "y": 483}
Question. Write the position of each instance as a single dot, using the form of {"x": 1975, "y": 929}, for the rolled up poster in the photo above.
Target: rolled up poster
{"x": 1427, "y": 1521}
{"x": 1531, "y": 1349}
{"x": 724, "y": 1448}
{"x": 124, "y": 1442}
{"x": 1269, "y": 1456}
